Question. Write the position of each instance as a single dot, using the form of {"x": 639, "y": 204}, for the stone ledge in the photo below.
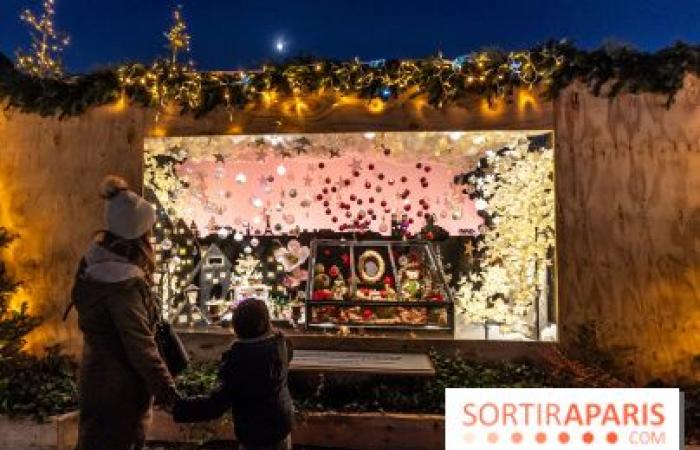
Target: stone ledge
{"x": 57, "y": 433}
{"x": 370, "y": 431}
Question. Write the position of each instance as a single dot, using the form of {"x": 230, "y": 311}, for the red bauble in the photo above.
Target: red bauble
{"x": 427, "y": 169}
{"x": 334, "y": 219}
{"x": 423, "y": 180}
{"x": 388, "y": 280}
{"x": 327, "y": 252}
{"x": 321, "y": 165}
{"x": 334, "y": 271}
{"x": 387, "y": 151}
{"x": 374, "y": 217}
{"x": 370, "y": 166}
{"x": 419, "y": 213}
{"x": 383, "y": 203}
{"x": 380, "y": 176}
{"x": 359, "y": 201}
{"x": 407, "y": 207}
{"x": 356, "y": 174}
{"x": 326, "y": 203}
{"x": 426, "y": 206}
{"x": 429, "y": 235}
{"x": 404, "y": 179}
{"x": 348, "y": 214}
{"x": 347, "y": 182}
{"x": 370, "y": 212}
{"x": 371, "y": 199}
{"x": 368, "y": 185}
{"x": 328, "y": 212}
{"x": 391, "y": 181}
{"x": 328, "y": 180}
{"x": 270, "y": 179}
{"x": 353, "y": 197}
{"x": 410, "y": 220}
{"x": 325, "y": 190}
{"x": 367, "y": 313}
{"x": 334, "y": 189}
{"x": 319, "y": 197}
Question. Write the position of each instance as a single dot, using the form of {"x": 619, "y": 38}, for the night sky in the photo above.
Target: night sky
{"x": 238, "y": 34}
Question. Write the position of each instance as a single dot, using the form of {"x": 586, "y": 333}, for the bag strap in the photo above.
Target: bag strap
{"x": 78, "y": 275}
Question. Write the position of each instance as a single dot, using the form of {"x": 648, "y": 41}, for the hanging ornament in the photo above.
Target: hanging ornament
{"x": 256, "y": 202}
{"x": 241, "y": 178}
{"x": 223, "y": 233}
{"x": 292, "y": 193}
{"x": 238, "y": 236}
{"x": 281, "y": 170}
{"x": 254, "y": 242}
{"x": 247, "y": 250}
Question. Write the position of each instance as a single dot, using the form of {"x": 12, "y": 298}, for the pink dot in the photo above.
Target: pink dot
{"x": 517, "y": 438}
{"x": 564, "y": 438}
{"x": 492, "y": 438}
{"x": 587, "y": 437}
{"x": 469, "y": 438}
{"x": 541, "y": 438}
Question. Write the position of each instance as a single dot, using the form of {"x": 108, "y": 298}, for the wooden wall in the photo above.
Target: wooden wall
{"x": 50, "y": 171}
{"x": 628, "y": 187}
{"x": 628, "y": 191}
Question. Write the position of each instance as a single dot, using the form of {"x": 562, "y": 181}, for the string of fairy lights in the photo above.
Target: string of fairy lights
{"x": 170, "y": 80}
{"x": 37, "y": 82}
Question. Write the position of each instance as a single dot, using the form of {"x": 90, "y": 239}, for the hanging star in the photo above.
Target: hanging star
{"x": 260, "y": 154}
{"x": 219, "y": 158}
{"x": 259, "y": 142}
{"x": 284, "y": 152}
{"x": 356, "y": 164}
{"x": 334, "y": 152}
{"x": 308, "y": 180}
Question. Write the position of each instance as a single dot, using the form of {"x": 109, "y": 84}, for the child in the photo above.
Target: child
{"x": 252, "y": 382}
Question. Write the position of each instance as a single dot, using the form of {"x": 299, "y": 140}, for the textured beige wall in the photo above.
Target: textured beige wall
{"x": 49, "y": 176}
{"x": 628, "y": 189}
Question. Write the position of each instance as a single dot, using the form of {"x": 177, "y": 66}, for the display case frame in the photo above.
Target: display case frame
{"x": 447, "y": 303}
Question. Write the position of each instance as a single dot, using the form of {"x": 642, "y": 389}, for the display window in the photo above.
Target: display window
{"x": 446, "y": 233}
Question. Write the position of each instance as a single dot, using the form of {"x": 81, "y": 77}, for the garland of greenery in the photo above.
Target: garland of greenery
{"x": 492, "y": 74}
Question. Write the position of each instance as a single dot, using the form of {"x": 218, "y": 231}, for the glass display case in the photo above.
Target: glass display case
{"x": 377, "y": 284}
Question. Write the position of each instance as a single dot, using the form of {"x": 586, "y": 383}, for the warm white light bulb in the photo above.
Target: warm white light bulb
{"x": 281, "y": 170}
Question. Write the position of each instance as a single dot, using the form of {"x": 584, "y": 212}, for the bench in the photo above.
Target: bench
{"x": 414, "y": 364}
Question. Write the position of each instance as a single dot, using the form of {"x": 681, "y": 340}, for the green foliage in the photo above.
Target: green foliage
{"x": 15, "y": 324}
{"x": 38, "y": 387}
{"x": 489, "y": 74}
{"x": 29, "y": 385}
{"x": 198, "y": 379}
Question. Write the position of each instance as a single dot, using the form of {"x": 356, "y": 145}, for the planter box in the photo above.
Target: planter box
{"x": 370, "y": 431}
{"x": 57, "y": 433}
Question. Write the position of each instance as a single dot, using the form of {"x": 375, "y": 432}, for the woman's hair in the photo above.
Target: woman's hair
{"x": 251, "y": 319}
{"x": 138, "y": 252}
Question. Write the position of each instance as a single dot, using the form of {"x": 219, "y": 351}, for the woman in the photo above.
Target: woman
{"x": 121, "y": 369}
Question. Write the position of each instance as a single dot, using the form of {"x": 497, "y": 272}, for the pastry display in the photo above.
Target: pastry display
{"x": 378, "y": 284}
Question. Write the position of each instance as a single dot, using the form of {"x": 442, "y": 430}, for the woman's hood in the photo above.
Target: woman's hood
{"x": 108, "y": 267}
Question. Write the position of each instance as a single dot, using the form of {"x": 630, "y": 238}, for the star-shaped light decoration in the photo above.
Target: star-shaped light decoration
{"x": 356, "y": 164}
{"x": 334, "y": 152}
{"x": 260, "y": 154}
{"x": 219, "y": 158}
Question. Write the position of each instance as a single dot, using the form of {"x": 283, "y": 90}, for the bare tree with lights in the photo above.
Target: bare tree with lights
{"x": 47, "y": 44}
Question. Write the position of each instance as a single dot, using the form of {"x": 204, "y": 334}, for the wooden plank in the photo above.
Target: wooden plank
{"x": 418, "y": 364}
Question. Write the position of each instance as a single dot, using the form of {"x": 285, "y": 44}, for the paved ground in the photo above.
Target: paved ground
{"x": 215, "y": 446}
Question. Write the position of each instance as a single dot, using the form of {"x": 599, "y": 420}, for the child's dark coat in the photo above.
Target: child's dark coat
{"x": 253, "y": 383}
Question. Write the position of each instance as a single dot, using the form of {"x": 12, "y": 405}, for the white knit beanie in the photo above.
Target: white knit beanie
{"x": 127, "y": 214}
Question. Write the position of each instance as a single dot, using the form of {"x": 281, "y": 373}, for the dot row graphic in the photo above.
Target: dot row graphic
{"x": 542, "y": 438}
